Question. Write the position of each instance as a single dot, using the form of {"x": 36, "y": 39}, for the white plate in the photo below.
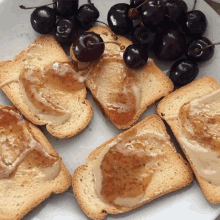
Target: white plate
{"x": 188, "y": 203}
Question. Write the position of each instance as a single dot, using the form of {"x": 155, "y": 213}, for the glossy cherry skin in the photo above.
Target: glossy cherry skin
{"x": 200, "y": 56}
{"x": 196, "y": 24}
{"x": 118, "y": 19}
{"x": 66, "y": 8}
{"x": 170, "y": 44}
{"x": 153, "y": 13}
{"x": 143, "y": 35}
{"x": 84, "y": 50}
{"x": 135, "y": 56}
{"x": 43, "y": 19}
{"x": 175, "y": 9}
{"x": 184, "y": 71}
{"x": 65, "y": 31}
{"x": 87, "y": 16}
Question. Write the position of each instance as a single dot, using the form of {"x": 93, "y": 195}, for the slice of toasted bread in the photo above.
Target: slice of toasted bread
{"x": 19, "y": 194}
{"x": 173, "y": 173}
{"x": 171, "y": 105}
{"x": 154, "y": 84}
{"x": 77, "y": 104}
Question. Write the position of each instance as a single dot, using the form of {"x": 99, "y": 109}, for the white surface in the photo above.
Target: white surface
{"x": 188, "y": 203}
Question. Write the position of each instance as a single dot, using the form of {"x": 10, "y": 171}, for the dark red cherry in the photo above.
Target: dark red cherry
{"x": 199, "y": 51}
{"x": 118, "y": 19}
{"x": 153, "y": 13}
{"x": 183, "y": 72}
{"x": 65, "y": 31}
{"x": 135, "y": 56}
{"x": 88, "y": 47}
{"x": 87, "y": 16}
{"x": 143, "y": 35}
{"x": 170, "y": 44}
{"x": 175, "y": 9}
{"x": 43, "y": 19}
{"x": 66, "y": 8}
{"x": 196, "y": 24}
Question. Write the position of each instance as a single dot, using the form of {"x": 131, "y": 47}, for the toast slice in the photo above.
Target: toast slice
{"x": 171, "y": 105}
{"x": 21, "y": 191}
{"x": 173, "y": 171}
{"x": 75, "y": 102}
{"x": 151, "y": 81}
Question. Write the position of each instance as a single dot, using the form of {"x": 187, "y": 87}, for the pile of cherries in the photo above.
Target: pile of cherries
{"x": 166, "y": 26}
{"x": 65, "y": 18}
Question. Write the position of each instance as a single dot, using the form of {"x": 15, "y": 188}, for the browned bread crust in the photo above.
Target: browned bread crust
{"x": 20, "y": 194}
{"x": 78, "y": 104}
{"x": 174, "y": 174}
{"x": 171, "y": 105}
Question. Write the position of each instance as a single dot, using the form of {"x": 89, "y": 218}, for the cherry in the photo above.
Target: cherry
{"x": 184, "y": 71}
{"x": 175, "y": 9}
{"x": 170, "y": 44}
{"x": 43, "y": 19}
{"x": 66, "y": 8}
{"x": 135, "y": 56}
{"x": 196, "y": 24}
{"x": 87, "y": 16}
{"x": 65, "y": 30}
{"x": 200, "y": 50}
{"x": 153, "y": 13}
{"x": 118, "y": 19}
{"x": 143, "y": 35}
{"x": 88, "y": 47}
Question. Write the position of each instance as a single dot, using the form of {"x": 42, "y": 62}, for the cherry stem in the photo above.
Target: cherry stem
{"x": 197, "y": 50}
{"x": 89, "y": 1}
{"x": 194, "y": 6}
{"x": 142, "y": 4}
{"x": 24, "y": 7}
{"x": 107, "y": 42}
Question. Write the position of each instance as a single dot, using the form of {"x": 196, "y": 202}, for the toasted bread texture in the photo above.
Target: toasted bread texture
{"x": 76, "y": 103}
{"x": 19, "y": 194}
{"x": 154, "y": 84}
{"x": 174, "y": 173}
{"x": 171, "y": 105}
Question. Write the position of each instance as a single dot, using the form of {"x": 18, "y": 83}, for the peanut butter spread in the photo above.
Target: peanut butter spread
{"x": 125, "y": 168}
{"x": 117, "y": 89}
{"x": 200, "y": 135}
{"x": 20, "y": 152}
{"x": 45, "y": 89}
